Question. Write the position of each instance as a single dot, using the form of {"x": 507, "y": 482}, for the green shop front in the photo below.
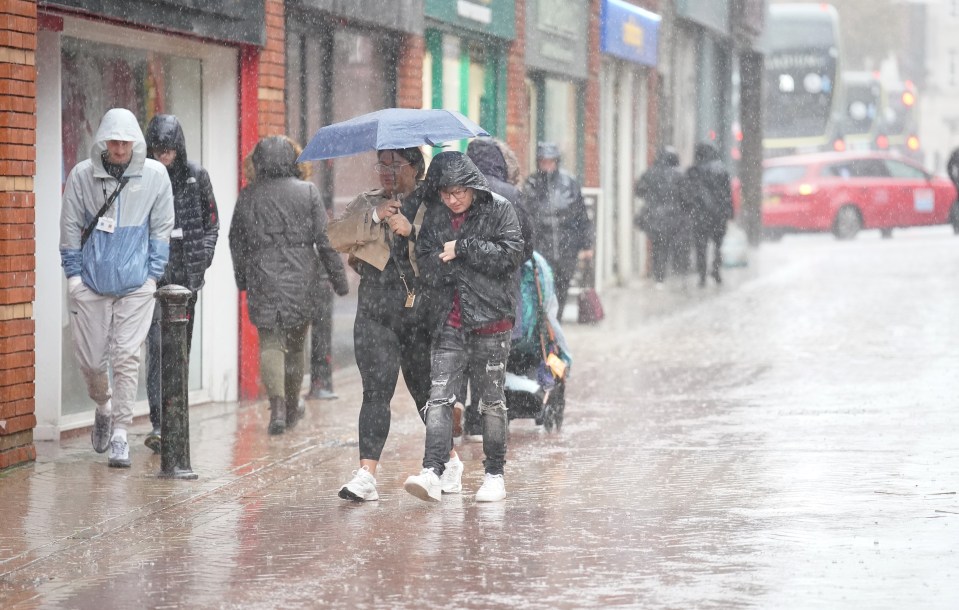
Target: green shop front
{"x": 465, "y": 61}
{"x": 556, "y": 71}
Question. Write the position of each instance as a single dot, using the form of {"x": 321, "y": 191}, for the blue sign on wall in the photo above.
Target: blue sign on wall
{"x": 630, "y": 32}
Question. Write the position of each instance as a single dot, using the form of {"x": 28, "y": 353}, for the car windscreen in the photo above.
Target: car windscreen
{"x": 783, "y": 174}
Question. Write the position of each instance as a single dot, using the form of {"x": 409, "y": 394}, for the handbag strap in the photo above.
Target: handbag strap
{"x": 103, "y": 210}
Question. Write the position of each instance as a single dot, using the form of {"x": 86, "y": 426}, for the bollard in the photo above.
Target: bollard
{"x": 175, "y": 425}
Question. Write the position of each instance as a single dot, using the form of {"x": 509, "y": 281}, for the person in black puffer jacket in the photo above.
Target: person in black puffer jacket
{"x": 710, "y": 202}
{"x": 196, "y": 229}
{"x": 281, "y": 254}
{"x": 661, "y": 188}
{"x": 468, "y": 250}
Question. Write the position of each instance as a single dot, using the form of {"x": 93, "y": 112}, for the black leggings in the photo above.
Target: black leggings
{"x": 384, "y": 345}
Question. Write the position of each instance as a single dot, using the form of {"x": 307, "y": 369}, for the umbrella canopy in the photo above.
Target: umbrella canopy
{"x": 389, "y": 129}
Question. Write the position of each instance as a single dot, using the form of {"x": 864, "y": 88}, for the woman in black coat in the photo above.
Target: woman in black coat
{"x": 281, "y": 254}
{"x": 710, "y": 200}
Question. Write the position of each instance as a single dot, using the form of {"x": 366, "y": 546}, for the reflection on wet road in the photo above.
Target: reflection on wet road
{"x": 786, "y": 441}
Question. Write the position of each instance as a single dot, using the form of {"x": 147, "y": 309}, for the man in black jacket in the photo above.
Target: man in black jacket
{"x": 468, "y": 249}
{"x": 561, "y": 225}
{"x": 192, "y": 243}
{"x": 710, "y": 202}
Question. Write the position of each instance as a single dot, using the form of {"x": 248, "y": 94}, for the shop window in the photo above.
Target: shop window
{"x": 95, "y": 78}
{"x": 561, "y": 119}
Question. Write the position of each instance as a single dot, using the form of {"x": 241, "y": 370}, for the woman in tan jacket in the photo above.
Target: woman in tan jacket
{"x": 378, "y": 230}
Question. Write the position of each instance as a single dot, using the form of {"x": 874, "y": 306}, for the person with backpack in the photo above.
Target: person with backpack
{"x": 192, "y": 242}
{"x": 710, "y": 203}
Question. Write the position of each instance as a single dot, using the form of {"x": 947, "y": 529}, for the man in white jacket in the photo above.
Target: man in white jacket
{"x": 113, "y": 256}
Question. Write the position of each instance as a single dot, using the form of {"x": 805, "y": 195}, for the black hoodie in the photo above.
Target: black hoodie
{"x": 489, "y": 247}
{"x": 197, "y": 224}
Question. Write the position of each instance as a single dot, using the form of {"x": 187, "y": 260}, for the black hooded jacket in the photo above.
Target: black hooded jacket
{"x": 197, "y": 223}
{"x": 560, "y": 221}
{"x": 662, "y": 188}
{"x": 486, "y": 154}
{"x": 489, "y": 247}
{"x": 278, "y": 240}
{"x": 709, "y": 195}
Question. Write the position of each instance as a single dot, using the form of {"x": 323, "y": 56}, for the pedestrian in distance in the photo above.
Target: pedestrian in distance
{"x": 661, "y": 189}
{"x": 379, "y": 230}
{"x": 561, "y": 224}
{"x": 469, "y": 249}
{"x": 115, "y": 227}
{"x": 192, "y": 243}
{"x": 710, "y": 203}
{"x": 281, "y": 255}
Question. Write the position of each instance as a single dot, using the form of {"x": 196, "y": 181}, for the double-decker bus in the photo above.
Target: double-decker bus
{"x": 801, "y": 78}
{"x": 863, "y": 106}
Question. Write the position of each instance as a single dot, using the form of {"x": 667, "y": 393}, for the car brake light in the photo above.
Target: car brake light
{"x": 806, "y": 189}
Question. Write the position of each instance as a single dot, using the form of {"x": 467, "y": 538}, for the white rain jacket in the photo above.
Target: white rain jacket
{"x": 117, "y": 263}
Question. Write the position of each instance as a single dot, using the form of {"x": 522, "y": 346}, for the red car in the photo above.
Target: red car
{"x": 849, "y": 191}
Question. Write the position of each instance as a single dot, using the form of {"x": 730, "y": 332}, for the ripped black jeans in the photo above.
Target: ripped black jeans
{"x": 454, "y": 353}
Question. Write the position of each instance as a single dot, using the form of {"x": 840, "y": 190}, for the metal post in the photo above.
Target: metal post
{"x": 751, "y": 166}
{"x": 175, "y": 431}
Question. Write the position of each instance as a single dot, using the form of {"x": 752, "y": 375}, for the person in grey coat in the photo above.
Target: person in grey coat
{"x": 281, "y": 254}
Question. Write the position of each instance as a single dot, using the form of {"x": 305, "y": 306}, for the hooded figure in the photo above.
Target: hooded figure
{"x": 560, "y": 220}
{"x": 661, "y": 189}
{"x": 468, "y": 250}
{"x": 113, "y": 256}
{"x": 709, "y": 199}
{"x": 192, "y": 243}
{"x": 281, "y": 254}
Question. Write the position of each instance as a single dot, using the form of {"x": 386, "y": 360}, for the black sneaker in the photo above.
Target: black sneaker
{"x": 102, "y": 432}
{"x": 153, "y": 440}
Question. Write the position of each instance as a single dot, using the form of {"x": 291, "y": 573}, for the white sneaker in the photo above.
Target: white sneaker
{"x": 119, "y": 451}
{"x": 425, "y": 485}
{"x": 493, "y": 489}
{"x": 361, "y": 488}
{"x": 452, "y": 480}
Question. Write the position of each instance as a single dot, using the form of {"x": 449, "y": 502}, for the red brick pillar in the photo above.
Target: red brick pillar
{"x": 409, "y": 72}
{"x": 517, "y": 100}
{"x": 591, "y": 120}
{"x": 271, "y": 93}
{"x": 18, "y": 43}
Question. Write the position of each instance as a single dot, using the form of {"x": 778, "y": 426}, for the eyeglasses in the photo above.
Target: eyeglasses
{"x": 457, "y": 193}
{"x": 380, "y": 168}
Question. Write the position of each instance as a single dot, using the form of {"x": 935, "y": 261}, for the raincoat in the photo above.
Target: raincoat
{"x": 117, "y": 263}
{"x": 489, "y": 247}
{"x": 709, "y": 196}
{"x": 560, "y": 221}
{"x": 278, "y": 240}
{"x": 661, "y": 188}
{"x": 197, "y": 225}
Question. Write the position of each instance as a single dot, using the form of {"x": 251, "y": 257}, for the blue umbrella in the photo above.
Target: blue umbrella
{"x": 389, "y": 129}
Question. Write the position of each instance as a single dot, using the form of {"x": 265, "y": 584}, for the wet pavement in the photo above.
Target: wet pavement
{"x": 786, "y": 441}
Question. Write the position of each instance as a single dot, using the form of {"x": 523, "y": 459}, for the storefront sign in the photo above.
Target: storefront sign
{"x": 556, "y": 36}
{"x": 493, "y": 17}
{"x": 629, "y": 32}
{"x": 240, "y": 21}
{"x": 713, "y": 14}
{"x": 398, "y": 15}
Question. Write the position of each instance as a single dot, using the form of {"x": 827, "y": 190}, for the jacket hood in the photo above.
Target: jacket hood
{"x": 275, "y": 157}
{"x": 488, "y": 158}
{"x": 453, "y": 169}
{"x": 165, "y": 132}
{"x": 118, "y": 124}
{"x": 667, "y": 157}
{"x": 704, "y": 153}
{"x": 548, "y": 150}
{"x": 512, "y": 163}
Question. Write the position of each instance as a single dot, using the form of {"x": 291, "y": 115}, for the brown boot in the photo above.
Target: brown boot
{"x": 295, "y": 410}
{"x": 277, "y": 416}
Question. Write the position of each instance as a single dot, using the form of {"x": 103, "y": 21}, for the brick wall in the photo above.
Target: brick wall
{"x": 517, "y": 101}
{"x": 18, "y": 39}
{"x": 272, "y": 69}
{"x": 591, "y": 120}
{"x": 409, "y": 72}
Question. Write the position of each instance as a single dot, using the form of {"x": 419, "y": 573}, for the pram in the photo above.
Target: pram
{"x": 539, "y": 359}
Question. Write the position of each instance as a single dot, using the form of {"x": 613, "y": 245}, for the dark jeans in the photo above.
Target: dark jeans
{"x": 661, "y": 245}
{"x": 384, "y": 345}
{"x": 321, "y": 340}
{"x": 563, "y": 271}
{"x": 155, "y": 359}
{"x": 703, "y": 238}
{"x": 454, "y": 353}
